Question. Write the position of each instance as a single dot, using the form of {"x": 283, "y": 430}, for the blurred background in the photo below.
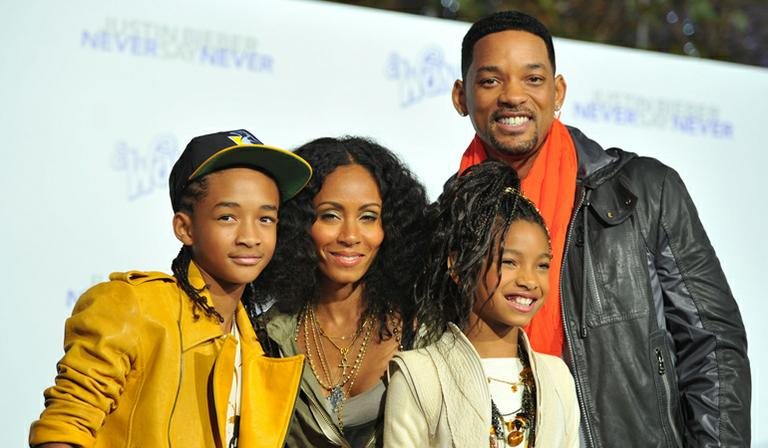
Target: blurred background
{"x": 98, "y": 98}
{"x": 732, "y": 30}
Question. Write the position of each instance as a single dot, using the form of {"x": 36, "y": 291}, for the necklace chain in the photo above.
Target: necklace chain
{"x": 525, "y": 417}
{"x": 347, "y": 374}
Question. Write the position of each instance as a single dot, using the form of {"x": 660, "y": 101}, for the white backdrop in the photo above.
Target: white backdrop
{"x": 98, "y": 98}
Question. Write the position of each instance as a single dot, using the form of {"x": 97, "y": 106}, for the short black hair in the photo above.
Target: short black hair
{"x": 503, "y": 21}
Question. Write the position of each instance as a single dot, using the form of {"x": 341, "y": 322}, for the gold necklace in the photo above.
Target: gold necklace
{"x": 336, "y": 388}
{"x": 343, "y": 351}
{"x": 525, "y": 418}
{"x": 342, "y": 338}
{"x": 512, "y": 384}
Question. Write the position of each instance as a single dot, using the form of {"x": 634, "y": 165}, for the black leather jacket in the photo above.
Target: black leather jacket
{"x": 654, "y": 338}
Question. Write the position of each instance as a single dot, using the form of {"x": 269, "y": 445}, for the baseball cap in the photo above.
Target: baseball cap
{"x": 239, "y": 148}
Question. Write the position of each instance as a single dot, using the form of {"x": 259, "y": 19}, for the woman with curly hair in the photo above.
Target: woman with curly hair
{"x": 342, "y": 278}
{"x": 475, "y": 380}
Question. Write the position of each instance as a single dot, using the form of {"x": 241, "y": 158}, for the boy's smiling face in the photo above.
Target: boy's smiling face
{"x": 232, "y": 229}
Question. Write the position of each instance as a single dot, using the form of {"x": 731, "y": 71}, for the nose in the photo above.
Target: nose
{"x": 526, "y": 279}
{"x": 512, "y": 94}
{"x": 248, "y": 234}
{"x": 349, "y": 233}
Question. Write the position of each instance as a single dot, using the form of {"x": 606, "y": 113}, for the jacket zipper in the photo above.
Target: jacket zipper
{"x": 322, "y": 413}
{"x": 181, "y": 370}
{"x": 661, "y": 369}
{"x": 577, "y": 380}
{"x": 320, "y": 409}
{"x": 588, "y": 253}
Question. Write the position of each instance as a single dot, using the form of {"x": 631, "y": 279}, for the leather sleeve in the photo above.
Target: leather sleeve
{"x": 101, "y": 339}
{"x": 703, "y": 318}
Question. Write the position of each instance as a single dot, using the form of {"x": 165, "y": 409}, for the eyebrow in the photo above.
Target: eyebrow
{"x": 488, "y": 68}
{"x": 338, "y": 205}
{"x": 269, "y": 207}
{"x": 496, "y": 69}
{"x": 547, "y": 255}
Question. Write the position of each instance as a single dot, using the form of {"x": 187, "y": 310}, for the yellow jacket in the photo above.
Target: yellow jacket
{"x": 140, "y": 370}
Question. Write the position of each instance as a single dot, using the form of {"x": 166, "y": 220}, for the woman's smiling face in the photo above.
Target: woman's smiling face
{"x": 348, "y": 230}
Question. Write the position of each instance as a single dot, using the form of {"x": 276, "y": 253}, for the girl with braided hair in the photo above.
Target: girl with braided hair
{"x": 474, "y": 380}
{"x": 158, "y": 360}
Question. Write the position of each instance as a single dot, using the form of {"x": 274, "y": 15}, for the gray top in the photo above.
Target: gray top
{"x": 314, "y": 424}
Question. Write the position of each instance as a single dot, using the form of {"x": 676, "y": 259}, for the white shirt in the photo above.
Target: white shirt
{"x": 233, "y": 406}
{"x": 503, "y": 377}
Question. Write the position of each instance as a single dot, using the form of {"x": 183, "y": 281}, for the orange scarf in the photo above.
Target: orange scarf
{"x": 551, "y": 185}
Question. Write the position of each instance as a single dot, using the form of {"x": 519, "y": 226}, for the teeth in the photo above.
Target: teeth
{"x": 525, "y": 301}
{"x": 513, "y": 121}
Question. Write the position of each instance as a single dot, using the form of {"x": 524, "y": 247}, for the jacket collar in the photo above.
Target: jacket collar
{"x": 596, "y": 165}
{"x": 281, "y": 328}
{"x": 461, "y": 358}
{"x": 200, "y": 329}
{"x": 463, "y": 368}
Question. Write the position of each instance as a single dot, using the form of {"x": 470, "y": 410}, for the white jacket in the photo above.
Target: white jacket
{"x": 438, "y": 397}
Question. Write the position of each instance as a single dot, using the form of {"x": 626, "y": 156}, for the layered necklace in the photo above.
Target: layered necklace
{"x": 339, "y": 386}
{"x": 513, "y": 430}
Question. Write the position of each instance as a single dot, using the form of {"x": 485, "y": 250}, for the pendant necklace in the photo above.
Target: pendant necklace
{"x": 513, "y": 432}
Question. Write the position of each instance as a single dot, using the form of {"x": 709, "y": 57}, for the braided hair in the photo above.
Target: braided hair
{"x": 195, "y": 191}
{"x": 469, "y": 224}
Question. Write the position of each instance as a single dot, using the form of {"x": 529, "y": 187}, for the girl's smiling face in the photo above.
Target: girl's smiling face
{"x": 509, "y": 296}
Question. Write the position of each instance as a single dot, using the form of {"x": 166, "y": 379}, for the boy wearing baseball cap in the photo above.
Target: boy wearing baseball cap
{"x": 158, "y": 360}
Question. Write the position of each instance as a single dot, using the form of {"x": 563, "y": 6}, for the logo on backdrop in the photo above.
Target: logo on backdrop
{"x": 146, "y": 170}
{"x": 627, "y": 109}
{"x": 423, "y": 77}
{"x": 140, "y": 38}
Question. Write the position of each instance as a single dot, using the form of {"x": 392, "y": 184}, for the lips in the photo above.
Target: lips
{"x": 246, "y": 260}
{"x": 346, "y": 259}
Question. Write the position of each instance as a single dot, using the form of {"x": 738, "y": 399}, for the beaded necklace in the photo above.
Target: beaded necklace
{"x": 525, "y": 417}
{"x": 348, "y": 374}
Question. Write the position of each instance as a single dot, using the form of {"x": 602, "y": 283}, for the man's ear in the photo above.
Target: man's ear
{"x": 182, "y": 228}
{"x": 560, "y": 89}
{"x": 451, "y": 272}
{"x": 459, "y": 99}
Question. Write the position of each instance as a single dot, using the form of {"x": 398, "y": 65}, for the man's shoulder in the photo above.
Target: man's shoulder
{"x": 643, "y": 169}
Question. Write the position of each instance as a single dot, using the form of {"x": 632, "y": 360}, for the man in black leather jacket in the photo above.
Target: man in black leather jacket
{"x": 651, "y": 331}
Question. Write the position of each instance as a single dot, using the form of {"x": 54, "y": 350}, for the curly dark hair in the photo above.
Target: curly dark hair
{"x": 293, "y": 279}
{"x": 470, "y": 221}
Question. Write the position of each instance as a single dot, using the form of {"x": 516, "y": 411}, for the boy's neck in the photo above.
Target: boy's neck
{"x": 224, "y": 298}
{"x": 226, "y": 306}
